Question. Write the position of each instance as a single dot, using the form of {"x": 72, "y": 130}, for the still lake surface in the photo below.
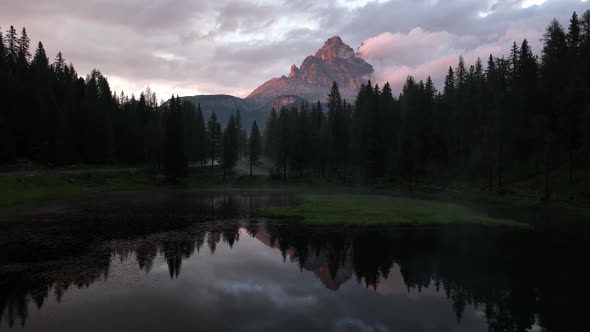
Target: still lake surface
{"x": 201, "y": 262}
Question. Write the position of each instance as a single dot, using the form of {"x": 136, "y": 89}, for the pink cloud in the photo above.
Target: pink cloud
{"x": 422, "y": 53}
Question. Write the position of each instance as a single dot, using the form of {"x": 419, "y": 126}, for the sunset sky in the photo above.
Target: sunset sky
{"x": 192, "y": 47}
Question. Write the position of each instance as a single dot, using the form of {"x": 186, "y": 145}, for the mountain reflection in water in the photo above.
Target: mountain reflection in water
{"x": 231, "y": 271}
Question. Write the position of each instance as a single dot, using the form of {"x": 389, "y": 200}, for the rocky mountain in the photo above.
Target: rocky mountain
{"x": 335, "y": 61}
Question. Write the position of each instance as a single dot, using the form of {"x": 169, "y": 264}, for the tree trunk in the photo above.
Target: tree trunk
{"x": 285, "y": 170}
{"x": 537, "y": 171}
{"x": 500, "y": 169}
{"x": 571, "y": 166}
{"x": 547, "y": 190}
{"x": 250, "y": 167}
{"x": 571, "y": 172}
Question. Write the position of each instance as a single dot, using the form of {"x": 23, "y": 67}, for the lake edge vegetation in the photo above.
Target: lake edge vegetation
{"x": 380, "y": 210}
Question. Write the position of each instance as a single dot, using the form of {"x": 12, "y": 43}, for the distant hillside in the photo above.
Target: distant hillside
{"x": 250, "y": 110}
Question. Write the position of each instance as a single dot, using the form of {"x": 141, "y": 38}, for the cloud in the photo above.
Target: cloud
{"x": 422, "y": 53}
{"x": 190, "y": 47}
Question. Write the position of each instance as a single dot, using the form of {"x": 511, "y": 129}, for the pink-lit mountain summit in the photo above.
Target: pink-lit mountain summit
{"x": 334, "y": 62}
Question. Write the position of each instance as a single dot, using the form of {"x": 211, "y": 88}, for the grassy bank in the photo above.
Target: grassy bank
{"x": 44, "y": 187}
{"x": 378, "y": 210}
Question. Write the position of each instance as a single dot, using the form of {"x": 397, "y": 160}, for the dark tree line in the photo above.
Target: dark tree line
{"x": 508, "y": 119}
{"x": 51, "y": 115}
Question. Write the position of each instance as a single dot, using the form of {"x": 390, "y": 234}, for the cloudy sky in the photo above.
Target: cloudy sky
{"x": 190, "y": 47}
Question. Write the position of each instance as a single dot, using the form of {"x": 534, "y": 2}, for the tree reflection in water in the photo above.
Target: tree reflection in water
{"x": 519, "y": 278}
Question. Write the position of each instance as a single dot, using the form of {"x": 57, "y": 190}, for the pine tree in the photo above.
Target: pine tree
{"x": 215, "y": 137}
{"x": 191, "y": 131}
{"x": 201, "y": 137}
{"x": 574, "y": 98}
{"x": 175, "y": 163}
{"x": 12, "y": 49}
{"x": 574, "y": 37}
{"x": 319, "y": 137}
{"x": 408, "y": 137}
{"x": 450, "y": 82}
{"x": 254, "y": 146}
{"x": 271, "y": 136}
{"x": 6, "y": 138}
{"x": 553, "y": 82}
{"x": 514, "y": 60}
{"x": 242, "y": 137}
{"x": 585, "y": 26}
{"x": 461, "y": 73}
{"x": 585, "y": 72}
{"x": 59, "y": 64}
{"x": 2, "y": 52}
{"x": 230, "y": 146}
{"x": 300, "y": 140}
{"x": 24, "y": 53}
{"x": 98, "y": 144}
{"x": 338, "y": 119}
{"x": 42, "y": 114}
{"x": 284, "y": 139}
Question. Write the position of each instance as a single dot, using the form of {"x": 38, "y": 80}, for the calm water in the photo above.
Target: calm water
{"x": 199, "y": 262}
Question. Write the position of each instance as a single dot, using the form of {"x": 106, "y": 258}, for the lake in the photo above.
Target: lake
{"x": 201, "y": 261}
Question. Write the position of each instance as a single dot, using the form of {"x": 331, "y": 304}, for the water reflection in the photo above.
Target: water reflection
{"x": 512, "y": 280}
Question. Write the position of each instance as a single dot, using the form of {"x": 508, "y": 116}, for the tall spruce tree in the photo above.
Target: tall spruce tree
{"x": 175, "y": 162}
{"x": 574, "y": 99}
{"x": 201, "y": 137}
{"x": 553, "y": 84}
{"x": 254, "y": 146}
{"x": 230, "y": 153}
{"x": 42, "y": 114}
{"x": 215, "y": 138}
{"x": 339, "y": 122}
{"x": 271, "y": 136}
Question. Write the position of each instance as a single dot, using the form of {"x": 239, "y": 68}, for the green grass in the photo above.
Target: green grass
{"x": 37, "y": 188}
{"x": 18, "y": 189}
{"x": 378, "y": 210}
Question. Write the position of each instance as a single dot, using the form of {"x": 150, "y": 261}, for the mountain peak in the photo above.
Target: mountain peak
{"x": 335, "y": 48}
{"x": 334, "y": 62}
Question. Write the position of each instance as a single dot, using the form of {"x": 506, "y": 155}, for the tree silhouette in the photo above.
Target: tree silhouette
{"x": 254, "y": 146}
{"x": 214, "y": 138}
{"x": 175, "y": 165}
{"x": 230, "y": 152}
